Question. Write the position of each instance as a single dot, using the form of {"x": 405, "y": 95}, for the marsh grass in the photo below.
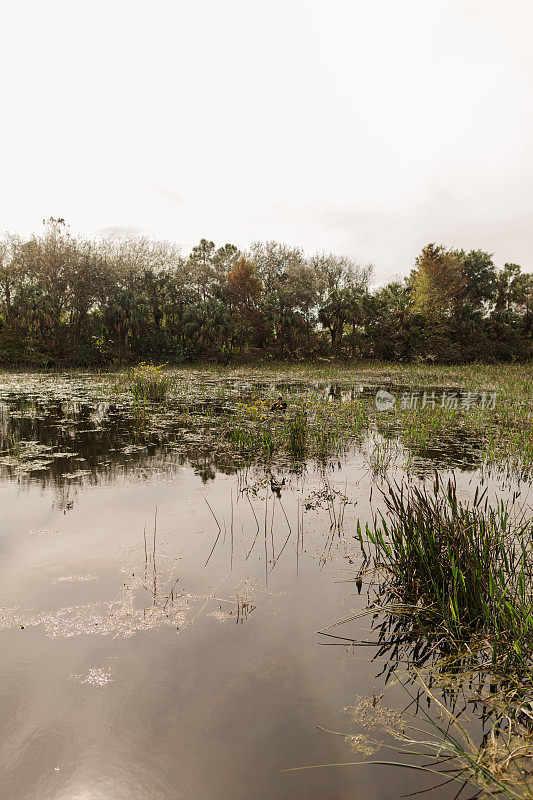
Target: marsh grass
{"x": 309, "y": 428}
{"x": 229, "y": 409}
{"x": 296, "y": 433}
{"x": 383, "y": 452}
{"x": 13, "y": 447}
{"x": 465, "y": 568}
{"x": 240, "y": 418}
{"x": 457, "y": 578}
{"x": 148, "y": 383}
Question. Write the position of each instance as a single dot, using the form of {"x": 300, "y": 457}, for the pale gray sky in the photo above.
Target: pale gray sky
{"x": 365, "y": 127}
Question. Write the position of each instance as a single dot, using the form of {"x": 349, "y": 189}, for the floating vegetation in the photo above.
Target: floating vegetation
{"x": 79, "y": 473}
{"x": 75, "y": 579}
{"x": 452, "y": 587}
{"x": 229, "y": 416}
{"x": 448, "y": 580}
{"x": 152, "y": 596}
{"x": 438, "y": 744}
{"x": 43, "y": 532}
{"x": 116, "y": 618}
{"x": 372, "y": 714}
{"x": 95, "y": 676}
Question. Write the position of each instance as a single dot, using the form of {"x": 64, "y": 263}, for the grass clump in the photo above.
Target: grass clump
{"x": 310, "y": 428}
{"x": 148, "y": 383}
{"x": 464, "y": 569}
{"x": 296, "y": 432}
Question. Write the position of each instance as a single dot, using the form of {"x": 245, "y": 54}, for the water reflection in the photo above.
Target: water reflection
{"x": 157, "y": 639}
{"x": 81, "y": 439}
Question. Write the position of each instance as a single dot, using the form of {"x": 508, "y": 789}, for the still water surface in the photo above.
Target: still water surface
{"x": 159, "y": 604}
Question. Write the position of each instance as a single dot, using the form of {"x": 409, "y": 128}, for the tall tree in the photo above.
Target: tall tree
{"x": 438, "y": 281}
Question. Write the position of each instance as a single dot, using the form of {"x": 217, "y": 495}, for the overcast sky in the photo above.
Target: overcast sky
{"x": 365, "y": 127}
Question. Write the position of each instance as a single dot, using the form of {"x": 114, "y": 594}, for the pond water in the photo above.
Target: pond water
{"x": 160, "y": 602}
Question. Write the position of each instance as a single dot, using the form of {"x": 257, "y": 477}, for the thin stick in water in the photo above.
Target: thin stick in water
{"x": 218, "y": 534}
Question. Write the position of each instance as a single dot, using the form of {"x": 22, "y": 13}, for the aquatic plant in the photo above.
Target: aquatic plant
{"x": 499, "y": 767}
{"x": 463, "y": 569}
{"x": 14, "y": 445}
{"x": 296, "y": 432}
{"x": 382, "y": 454}
{"x": 148, "y": 382}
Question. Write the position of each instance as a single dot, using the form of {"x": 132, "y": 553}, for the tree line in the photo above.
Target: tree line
{"x": 66, "y": 299}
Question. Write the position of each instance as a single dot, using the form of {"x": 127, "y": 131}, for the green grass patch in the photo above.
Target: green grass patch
{"x": 464, "y": 569}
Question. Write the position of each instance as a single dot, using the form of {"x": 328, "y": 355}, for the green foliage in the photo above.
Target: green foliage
{"x": 148, "y": 382}
{"x": 297, "y": 435}
{"x": 72, "y": 301}
{"x": 465, "y": 568}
